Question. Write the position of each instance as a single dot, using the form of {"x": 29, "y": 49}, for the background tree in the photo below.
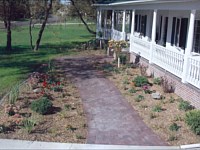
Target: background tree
{"x": 11, "y": 10}
{"x": 39, "y": 9}
{"x": 84, "y": 10}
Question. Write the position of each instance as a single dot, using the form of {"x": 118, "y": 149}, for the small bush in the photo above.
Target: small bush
{"x": 168, "y": 87}
{"x": 41, "y": 106}
{"x": 139, "y": 98}
{"x": 126, "y": 81}
{"x": 67, "y": 107}
{"x": 157, "y": 108}
{"x": 143, "y": 70}
{"x": 192, "y": 118}
{"x": 2, "y": 129}
{"x": 171, "y": 100}
{"x": 152, "y": 116}
{"x": 185, "y": 106}
{"x": 157, "y": 81}
{"x": 132, "y": 90}
{"x": 140, "y": 81}
{"x": 71, "y": 128}
{"x": 172, "y": 138}
{"x": 174, "y": 127}
{"x": 28, "y": 125}
{"x": 123, "y": 59}
{"x": 80, "y": 137}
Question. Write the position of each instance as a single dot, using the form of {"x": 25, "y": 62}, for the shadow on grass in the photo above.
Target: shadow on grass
{"x": 25, "y": 59}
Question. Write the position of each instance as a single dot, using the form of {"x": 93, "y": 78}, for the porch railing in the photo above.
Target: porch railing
{"x": 117, "y": 35}
{"x": 107, "y": 33}
{"x": 168, "y": 60}
{"x": 193, "y": 76}
{"x": 140, "y": 46}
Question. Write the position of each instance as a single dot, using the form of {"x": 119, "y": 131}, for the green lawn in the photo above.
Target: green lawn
{"x": 56, "y": 41}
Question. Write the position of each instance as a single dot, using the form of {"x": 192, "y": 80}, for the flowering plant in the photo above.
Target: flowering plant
{"x": 118, "y": 44}
{"x": 146, "y": 89}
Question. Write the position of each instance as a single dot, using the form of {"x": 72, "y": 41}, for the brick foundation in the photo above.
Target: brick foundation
{"x": 185, "y": 91}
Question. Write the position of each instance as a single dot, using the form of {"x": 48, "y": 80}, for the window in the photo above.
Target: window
{"x": 140, "y": 24}
{"x": 196, "y": 44}
{"x": 179, "y": 32}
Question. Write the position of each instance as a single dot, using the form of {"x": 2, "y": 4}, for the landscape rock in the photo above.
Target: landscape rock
{"x": 156, "y": 95}
{"x": 38, "y": 90}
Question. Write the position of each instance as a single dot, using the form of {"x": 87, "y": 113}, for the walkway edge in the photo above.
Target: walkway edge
{"x": 20, "y": 144}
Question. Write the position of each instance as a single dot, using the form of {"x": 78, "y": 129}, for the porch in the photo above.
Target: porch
{"x": 168, "y": 38}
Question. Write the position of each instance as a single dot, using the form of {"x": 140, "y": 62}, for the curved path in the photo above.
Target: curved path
{"x": 111, "y": 120}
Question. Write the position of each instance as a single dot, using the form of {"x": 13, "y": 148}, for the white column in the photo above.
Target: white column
{"x": 100, "y": 18}
{"x": 153, "y": 35}
{"x": 124, "y": 25}
{"x": 124, "y": 21}
{"x": 169, "y": 32}
{"x": 105, "y": 19}
{"x": 188, "y": 49}
{"x": 97, "y": 29}
{"x": 133, "y": 22}
{"x": 162, "y": 30}
{"x": 113, "y": 19}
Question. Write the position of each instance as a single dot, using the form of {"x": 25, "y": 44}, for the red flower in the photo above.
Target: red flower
{"x": 44, "y": 84}
{"x": 58, "y": 83}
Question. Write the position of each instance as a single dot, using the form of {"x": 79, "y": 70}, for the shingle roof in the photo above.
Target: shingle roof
{"x": 111, "y": 1}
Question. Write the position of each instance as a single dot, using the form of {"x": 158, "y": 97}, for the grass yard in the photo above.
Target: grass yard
{"x": 56, "y": 41}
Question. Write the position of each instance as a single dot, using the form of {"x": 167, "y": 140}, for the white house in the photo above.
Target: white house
{"x": 165, "y": 32}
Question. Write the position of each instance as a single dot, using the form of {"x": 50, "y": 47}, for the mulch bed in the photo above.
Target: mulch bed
{"x": 159, "y": 122}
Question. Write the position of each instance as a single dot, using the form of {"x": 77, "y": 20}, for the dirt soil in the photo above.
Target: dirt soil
{"x": 159, "y": 122}
{"x": 66, "y": 122}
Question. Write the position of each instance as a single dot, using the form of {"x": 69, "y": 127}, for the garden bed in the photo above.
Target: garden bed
{"x": 166, "y": 116}
{"x": 59, "y": 116}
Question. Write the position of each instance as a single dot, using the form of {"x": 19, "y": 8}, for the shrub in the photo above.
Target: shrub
{"x": 2, "y": 128}
{"x": 132, "y": 90}
{"x": 168, "y": 87}
{"x": 126, "y": 81}
{"x": 152, "y": 116}
{"x": 171, "y": 100}
{"x": 28, "y": 125}
{"x": 140, "y": 80}
{"x": 139, "y": 98}
{"x": 185, "y": 106}
{"x": 42, "y": 105}
{"x": 157, "y": 108}
{"x": 192, "y": 118}
{"x": 143, "y": 70}
{"x": 123, "y": 59}
{"x": 157, "y": 81}
{"x": 172, "y": 138}
{"x": 174, "y": 127}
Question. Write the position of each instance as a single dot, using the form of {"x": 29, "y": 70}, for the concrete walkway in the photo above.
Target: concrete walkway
{"x": 18, "y": 144}
{"x": 111, "y": 119}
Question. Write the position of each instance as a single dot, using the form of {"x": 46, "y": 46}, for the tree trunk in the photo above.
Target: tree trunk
{"x": 4, "y": 14}
{"x": 30, "y": 33}
{"x": 5, "y": 24}
{"x": 8, "y": 46}
{"x": 81, "y": 17}
{"x": 43, "y": 25}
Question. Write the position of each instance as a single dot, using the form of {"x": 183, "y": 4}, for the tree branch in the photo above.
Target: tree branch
{"x": 81, "y": 17}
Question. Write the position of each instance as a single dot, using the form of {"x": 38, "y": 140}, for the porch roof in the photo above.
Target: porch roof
{"x": 134, "y": 2}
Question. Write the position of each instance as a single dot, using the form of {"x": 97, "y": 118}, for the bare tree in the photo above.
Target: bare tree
{"x": 78, "y": 8}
